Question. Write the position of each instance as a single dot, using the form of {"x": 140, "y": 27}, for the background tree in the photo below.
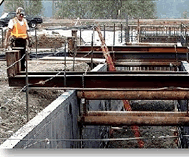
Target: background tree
{"x": 105, "y": 9}
{"x": 31, "y": 7}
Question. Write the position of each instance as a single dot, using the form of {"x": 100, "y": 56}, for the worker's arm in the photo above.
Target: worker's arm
{"x": 7, "y": 37}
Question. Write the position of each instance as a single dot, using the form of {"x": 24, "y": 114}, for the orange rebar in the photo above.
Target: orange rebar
{"x": 111, "y": 67}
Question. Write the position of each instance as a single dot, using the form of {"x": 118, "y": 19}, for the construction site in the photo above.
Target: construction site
{"x": 97, "y": 84}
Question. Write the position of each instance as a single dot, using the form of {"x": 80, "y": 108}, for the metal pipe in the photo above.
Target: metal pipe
{"x": 92, "y": 50}
{"x": 114, "y": 36}
{"x": 134, "y": 95}
{"x": 65, "y": 64}
{"x": 137, "y": 113}
{"x": 104, "y": 32}
{"x": 121, "y": 33}
{"x": 2, "y": 36}
{"x": 27, "y": 88}
{"x": 36, "y": 41}
{"x": 80, "y": 36}
{"x": 134, "y": 120}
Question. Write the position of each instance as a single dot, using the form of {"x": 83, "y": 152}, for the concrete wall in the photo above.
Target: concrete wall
{"x": 57, "y": 121}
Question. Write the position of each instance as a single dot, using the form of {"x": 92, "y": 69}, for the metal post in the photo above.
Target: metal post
{"x": 138, "y": 30}
{"x": 74, "y": 34}
{"x": 104, "y": 31}
{"x": 92, "y": 50}
{"x": 27, "y": 88}
{"x": 169, "y": 31}
{"x": 127, "y": 29}
{"x": 36, "y": 40}
{"x": 174, "y": 31}
{"x": 121, "y": 33}
{"x": 2, "y": 36}
{"x": 125, "y": 35}
{"x": 65, "y": 64}
{"x": 186, "y": 40}
{"x": 74, "y": 56}
{"x": 181, "y": 32}
{"x": 80, "y": 36}
{"x": 114, "y": 36}
{"x": 187, "y": 107}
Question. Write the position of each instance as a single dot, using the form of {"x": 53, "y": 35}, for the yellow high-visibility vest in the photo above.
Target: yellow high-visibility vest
{"x": 19, "y": 31}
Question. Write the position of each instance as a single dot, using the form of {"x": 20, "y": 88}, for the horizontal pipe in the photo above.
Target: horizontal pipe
{"x": 134, "y": 95}
{"x": 137, "y": 113}
{"x": 134, "y": 120}
{"x": 147, "y": 63}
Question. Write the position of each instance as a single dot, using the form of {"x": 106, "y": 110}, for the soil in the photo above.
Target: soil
{"x": 152, "y": 136}
{"x": 13, "y": 100}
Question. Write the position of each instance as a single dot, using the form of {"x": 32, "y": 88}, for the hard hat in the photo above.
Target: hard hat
{"x": 20, "y": 10}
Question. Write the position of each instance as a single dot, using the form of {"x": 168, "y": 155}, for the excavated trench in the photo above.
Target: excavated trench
{"x": 152, "y": 136}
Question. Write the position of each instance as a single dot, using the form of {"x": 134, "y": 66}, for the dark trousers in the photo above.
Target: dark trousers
{"x": 19, "y": 42}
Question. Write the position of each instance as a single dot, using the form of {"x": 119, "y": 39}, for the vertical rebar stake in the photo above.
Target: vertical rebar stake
{"x": 83, "y": 100}
{"x": 36, "y": 41}
{"x": 80, "y": 36}
{"x": 114, "y": 36}
{"x": 74, "y": 54}
{"x": 2, "y": 36}
{"x": 27, "y": 88}
{"x": 187, "y": 106}
{"x": 92, "y": 50}
{"x": 104, "y": 31}
{"x": 65, "y": 64}
{"x": 121, "y": 33}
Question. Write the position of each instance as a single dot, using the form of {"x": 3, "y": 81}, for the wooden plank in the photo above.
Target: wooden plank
{"x": 11, "y": 57}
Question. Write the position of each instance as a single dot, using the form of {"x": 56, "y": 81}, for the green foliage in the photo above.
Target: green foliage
{"x": 106, "y": 9}
{"x": 31, "y": 7}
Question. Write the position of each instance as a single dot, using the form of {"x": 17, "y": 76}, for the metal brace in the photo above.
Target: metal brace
{"x": 83, "y": 101}
{"x": 176, "y": 55}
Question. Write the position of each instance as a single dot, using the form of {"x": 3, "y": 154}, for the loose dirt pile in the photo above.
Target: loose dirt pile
{"x": 44, "y": 41}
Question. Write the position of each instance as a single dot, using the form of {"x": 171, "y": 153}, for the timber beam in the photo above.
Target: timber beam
{"x": 134, "y": 120}
{"x": 134, "y": 95}
{"x": 137, "y": 113}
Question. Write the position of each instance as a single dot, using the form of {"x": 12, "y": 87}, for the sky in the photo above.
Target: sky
{"x": 172, "y": 8}
{"x": 165, "y": 8}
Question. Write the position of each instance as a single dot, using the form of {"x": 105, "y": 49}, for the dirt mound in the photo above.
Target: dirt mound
{"x": 44, "y": 41}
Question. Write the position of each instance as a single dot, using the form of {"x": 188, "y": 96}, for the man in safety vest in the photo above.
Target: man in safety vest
{"x": 17, "y": 33}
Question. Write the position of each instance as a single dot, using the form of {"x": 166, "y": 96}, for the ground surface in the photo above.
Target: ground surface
{"x": 13, "y": 100}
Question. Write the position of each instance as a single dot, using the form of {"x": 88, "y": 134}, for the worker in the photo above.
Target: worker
{"x": 17, "y": 34}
